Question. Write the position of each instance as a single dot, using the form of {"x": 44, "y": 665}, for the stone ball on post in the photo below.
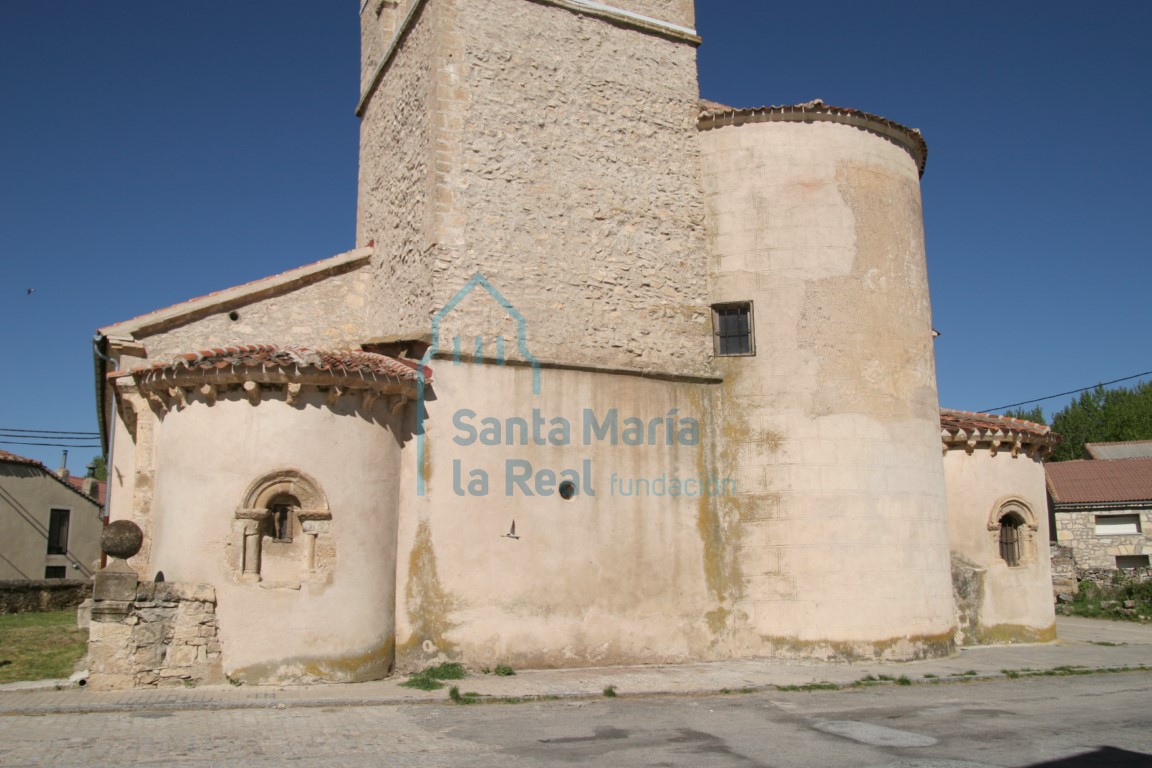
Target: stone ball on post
{"x": 122, "y": 539}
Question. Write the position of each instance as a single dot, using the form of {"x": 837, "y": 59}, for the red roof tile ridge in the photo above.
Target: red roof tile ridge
{"x": 348, "y": 362}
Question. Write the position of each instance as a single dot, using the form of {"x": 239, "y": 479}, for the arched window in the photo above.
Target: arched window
{"x": 283, "y": 523}
{"x": 1011, "y": 538}
{"x": 1012, "y": 526}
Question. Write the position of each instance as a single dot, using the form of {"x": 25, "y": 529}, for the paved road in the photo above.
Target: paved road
{"x": 1100, "y": 720}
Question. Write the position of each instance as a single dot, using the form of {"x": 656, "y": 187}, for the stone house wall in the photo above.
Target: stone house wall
{"x": 43, "y": 594}
{"x": 1077, "y": 529}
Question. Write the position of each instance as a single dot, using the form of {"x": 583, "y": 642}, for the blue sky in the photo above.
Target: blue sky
{"x": 153, "y": 152}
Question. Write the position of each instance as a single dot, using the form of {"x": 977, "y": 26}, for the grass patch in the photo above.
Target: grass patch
{"x": 969, "y": 673}
{"x": 609, "y": 691}
{"x": 1010, "y": 673}
{"x": 430, "y": 679}
{"x": 903, "y": 680}
{"x": 503, "y": 670}
{"x": 929, "y": 675}
{"x": 40, "y": 646}
{"x": 822, "y": 686}
{"x": 727, "y": 691}
{"x": 1105, "y": 642}
{"x": 1125, "y": 599}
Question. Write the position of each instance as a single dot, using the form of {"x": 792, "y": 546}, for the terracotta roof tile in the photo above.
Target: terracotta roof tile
{"x": 271, "y": 355}
{"x": 954, "y": 421}
{"x": 72, "y": 483}
{"x": 101, "y": 488}
{"x": 1100, "y": 482}
{"x": 12, "y": 458}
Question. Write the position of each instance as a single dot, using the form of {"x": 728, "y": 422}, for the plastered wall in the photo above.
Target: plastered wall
{"x": 833, "y": 425}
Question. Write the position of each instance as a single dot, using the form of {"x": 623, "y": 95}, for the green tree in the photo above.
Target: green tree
{"x": 1103, "y": 416}
{"x": 1036, "y": 415}
{"x": 101, "y": 468}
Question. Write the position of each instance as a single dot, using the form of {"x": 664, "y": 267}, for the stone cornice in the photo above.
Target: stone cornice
{"x": 909, "y": 139}
{"x": 973, "y": 431}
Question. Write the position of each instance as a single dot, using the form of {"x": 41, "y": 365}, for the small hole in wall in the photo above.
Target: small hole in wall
{"x": 233, "y": 315}
{"x": 567, "y": 489}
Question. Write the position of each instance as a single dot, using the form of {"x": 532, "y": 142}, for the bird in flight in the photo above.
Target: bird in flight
{"x": 31, "y": 291}
{"x": 511, "y": 533}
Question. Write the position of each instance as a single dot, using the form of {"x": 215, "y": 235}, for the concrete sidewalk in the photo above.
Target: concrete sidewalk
{"x": 1083, "y": 643}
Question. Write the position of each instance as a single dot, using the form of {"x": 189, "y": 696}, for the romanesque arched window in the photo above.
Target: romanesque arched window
{"x": 1012, "y": 525}
{"x": 1010, "y": 538}
{"x": 281, "y": 519}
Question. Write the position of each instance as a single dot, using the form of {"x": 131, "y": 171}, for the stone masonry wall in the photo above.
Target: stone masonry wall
{"x": 43, "y": 594}
{"x": 329, "y": 314}
{"x": 567, "y": 173}
{"x": 168, "y": 639}
{"x": 1078, "y": 531}
{"x": 397, "y": 134}
{"x": 556, "y": 154}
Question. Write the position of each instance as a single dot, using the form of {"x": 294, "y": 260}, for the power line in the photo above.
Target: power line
{"x": 48, "y": 432}
{"x": 1071, "y": 392}
{"x": 95, "y": 446}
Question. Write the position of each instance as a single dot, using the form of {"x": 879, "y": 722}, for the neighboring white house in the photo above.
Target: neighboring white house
{"x": 49, "y": 528}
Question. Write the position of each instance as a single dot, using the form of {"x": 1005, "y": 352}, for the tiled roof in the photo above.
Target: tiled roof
{"x": 713, "y": 115}
{"x": 101, "y": 487}
{"x": 969, "y": 421}
{"x": 72, "y": 483}
{"x": 1130, "y": 449}
{"x": 969, "y": 430}
{"x": 1100, "y": 482}
{"x": 12, "y": 458}
{"x": 350, "y": 362}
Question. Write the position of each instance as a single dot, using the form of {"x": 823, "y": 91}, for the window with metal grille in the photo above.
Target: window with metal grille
{"x": 58, "y": 531}
{"x": 56, "y": 572}
{"x": 732, "y": 329}
{"x": 1010, "y": 539}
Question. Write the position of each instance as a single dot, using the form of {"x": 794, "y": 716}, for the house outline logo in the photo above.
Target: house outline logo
{"x": 476, "y": 280}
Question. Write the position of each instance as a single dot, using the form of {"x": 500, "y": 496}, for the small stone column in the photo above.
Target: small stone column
{"x": 114, "y": 587}
{"x": 313, "y": 522}
{"x": 251, "y": 518}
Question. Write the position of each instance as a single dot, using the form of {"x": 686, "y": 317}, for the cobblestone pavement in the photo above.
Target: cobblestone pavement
{"x": 345, "y": 725}
{"x": 1091, "y": 721}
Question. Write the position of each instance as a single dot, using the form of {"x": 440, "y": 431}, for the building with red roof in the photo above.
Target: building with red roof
{"x": 1102, "y": 507}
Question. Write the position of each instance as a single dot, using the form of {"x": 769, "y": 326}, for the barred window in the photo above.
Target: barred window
{"x": 732, "y": 329}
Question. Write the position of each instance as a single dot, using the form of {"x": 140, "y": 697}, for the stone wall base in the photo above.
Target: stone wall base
{"x": 167, "y": 639}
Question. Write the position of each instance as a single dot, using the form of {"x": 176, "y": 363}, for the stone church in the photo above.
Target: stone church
{"x": 614, "y": 376}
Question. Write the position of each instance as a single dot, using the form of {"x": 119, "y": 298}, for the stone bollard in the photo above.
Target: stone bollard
{"x": 114, "y": 587}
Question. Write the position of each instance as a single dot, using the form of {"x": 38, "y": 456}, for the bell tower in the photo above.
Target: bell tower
{"x": 549, "y": 145}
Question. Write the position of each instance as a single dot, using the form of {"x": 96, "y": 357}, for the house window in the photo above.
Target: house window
{"x": 58, "y": 532}
{"x": 56, "y": 572}
{"x": 1125, "y": 562}
{"x": 1010, "y": 539}
{"x": 732, "y": 329}
{"x": 1115, "y": 525}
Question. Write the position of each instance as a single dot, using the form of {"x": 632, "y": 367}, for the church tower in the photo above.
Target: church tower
{"x": 549, "y": 145}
